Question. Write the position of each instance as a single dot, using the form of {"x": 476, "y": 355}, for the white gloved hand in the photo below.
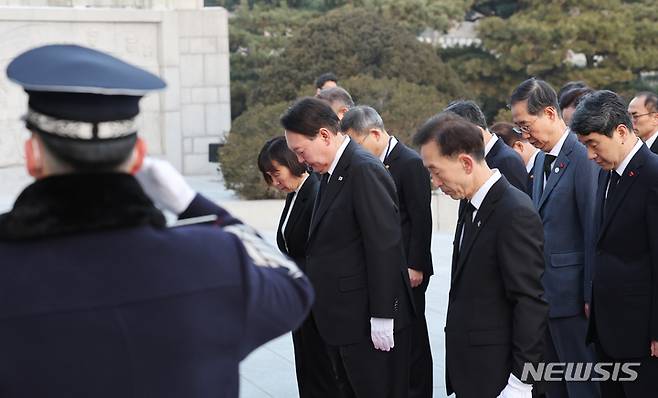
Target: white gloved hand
{"x": 515, "y": 388}
{"x": 381, "y": 333}
{"x": 165, "y": 185}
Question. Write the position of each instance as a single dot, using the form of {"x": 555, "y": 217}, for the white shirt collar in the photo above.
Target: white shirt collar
{"x": 531, "y": 161}
{"x": 339, "y": 153}
{"x": 558, "y": 146}
{"x": 481, "y": 193}
{"x": 388, "y": 149}
{"x": 652, "y": 139}
{"x": 304, "y": 178}
{"x": 622, "y": 166}
{"x": 490, "y": 144}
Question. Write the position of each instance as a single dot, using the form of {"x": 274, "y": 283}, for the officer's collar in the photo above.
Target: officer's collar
{"x": 79, "y": 203}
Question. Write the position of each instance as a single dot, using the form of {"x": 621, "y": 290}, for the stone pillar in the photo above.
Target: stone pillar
{"x": 204, "y": 85}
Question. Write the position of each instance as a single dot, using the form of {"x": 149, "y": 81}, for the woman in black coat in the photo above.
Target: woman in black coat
{"x": 282, "y": 170}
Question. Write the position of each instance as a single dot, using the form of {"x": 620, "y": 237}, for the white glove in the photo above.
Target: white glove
{"x": 381, "y": 332}
{"x": 165, "y": 185}
{"x": 515, "y": 388}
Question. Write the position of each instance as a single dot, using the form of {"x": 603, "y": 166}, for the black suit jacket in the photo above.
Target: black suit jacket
{"x": 412, "y": 181}
{"x": 355, "y": 258}
{"x": 496, "y": 314}
{"x": 509, "y": 163}
{"x": 531, "y": 174}
{"x": 625, "y": 283}
{"x": 296, "y": 232}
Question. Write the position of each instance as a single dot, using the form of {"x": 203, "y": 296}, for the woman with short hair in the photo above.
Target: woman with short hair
{"x": 282, "y": 170}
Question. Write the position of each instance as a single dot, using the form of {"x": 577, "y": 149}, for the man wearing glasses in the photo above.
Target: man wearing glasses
{"x": 564, "y": 189}
{"x": 644, "y": 112}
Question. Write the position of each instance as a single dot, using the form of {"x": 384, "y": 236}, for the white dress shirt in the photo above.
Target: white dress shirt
{"x": 652, "y": 139}
{"x": 339, "y": 153}
{"x": 622, "y": 166}
{"x": 531, "y": 161}
{"x": 556, "y": 150}
{"x": 480, "y": 194}
{"x": 389, "y": 148}
{"x": 292, "y": 204}
{"x": 490, "y": 144}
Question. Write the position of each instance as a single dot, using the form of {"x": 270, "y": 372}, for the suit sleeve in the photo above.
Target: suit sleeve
{"x": 521, "y": 260}
{"x": 586, "y": 186}
{"x": 652, "y": 225}
{"x": 277, "y": 295}
{"x": 202, "y": 206}
{"x": 417, "y": 196}
{"x": 377, "y": 214}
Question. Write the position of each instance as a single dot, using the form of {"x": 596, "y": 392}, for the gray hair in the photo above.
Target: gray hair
{"x": 336, "y": 94}
{"x": 360, "y": 119}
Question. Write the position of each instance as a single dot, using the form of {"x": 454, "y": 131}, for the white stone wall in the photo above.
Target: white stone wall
{"x": 204, "y": 87}
{"x": 140, "y": 4}
{"x": 183, "y": 43}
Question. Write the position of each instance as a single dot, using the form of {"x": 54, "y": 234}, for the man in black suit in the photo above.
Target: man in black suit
{"x": 496, "y": 153}
{"x": 496, "y": 315}
{"x": 624, "y": 312}
{"x": 644, "y": 112}
{"x": 412, "y": 181}
{"x": 282, "y": 170}
{"x": 355, "y": 257}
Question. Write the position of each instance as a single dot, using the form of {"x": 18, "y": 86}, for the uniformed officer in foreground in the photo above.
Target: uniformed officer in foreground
{"x": 98, "y": 298}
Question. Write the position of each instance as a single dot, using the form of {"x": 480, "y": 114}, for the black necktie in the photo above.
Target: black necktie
{"x": 548, "y": 160}
{"x": 323, "y": 185}
{"x": 468, "y": 227}
{"x": 612, "y": 186}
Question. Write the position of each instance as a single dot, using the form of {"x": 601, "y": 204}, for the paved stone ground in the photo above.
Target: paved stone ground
{"x": 269, "y": 371}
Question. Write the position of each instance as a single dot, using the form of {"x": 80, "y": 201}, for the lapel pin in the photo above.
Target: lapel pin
{"x": 631, "y": 173}
{"x": 557, "y": 170}
{"x": 340, "y": 178}
{"x": 562, "y": 165}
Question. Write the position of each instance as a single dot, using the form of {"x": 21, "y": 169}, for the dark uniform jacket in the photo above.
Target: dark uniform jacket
{"x": 99, "y": 299}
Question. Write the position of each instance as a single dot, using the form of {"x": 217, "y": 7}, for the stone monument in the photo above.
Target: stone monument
{"x": 179, "y": 40}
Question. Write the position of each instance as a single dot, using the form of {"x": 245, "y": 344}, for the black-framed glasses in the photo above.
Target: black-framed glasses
{"x": 635, "y": 117}
{"x": 520, "y": 130}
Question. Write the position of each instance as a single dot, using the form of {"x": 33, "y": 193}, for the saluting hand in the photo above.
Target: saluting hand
{"x": 165, "y": 185}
